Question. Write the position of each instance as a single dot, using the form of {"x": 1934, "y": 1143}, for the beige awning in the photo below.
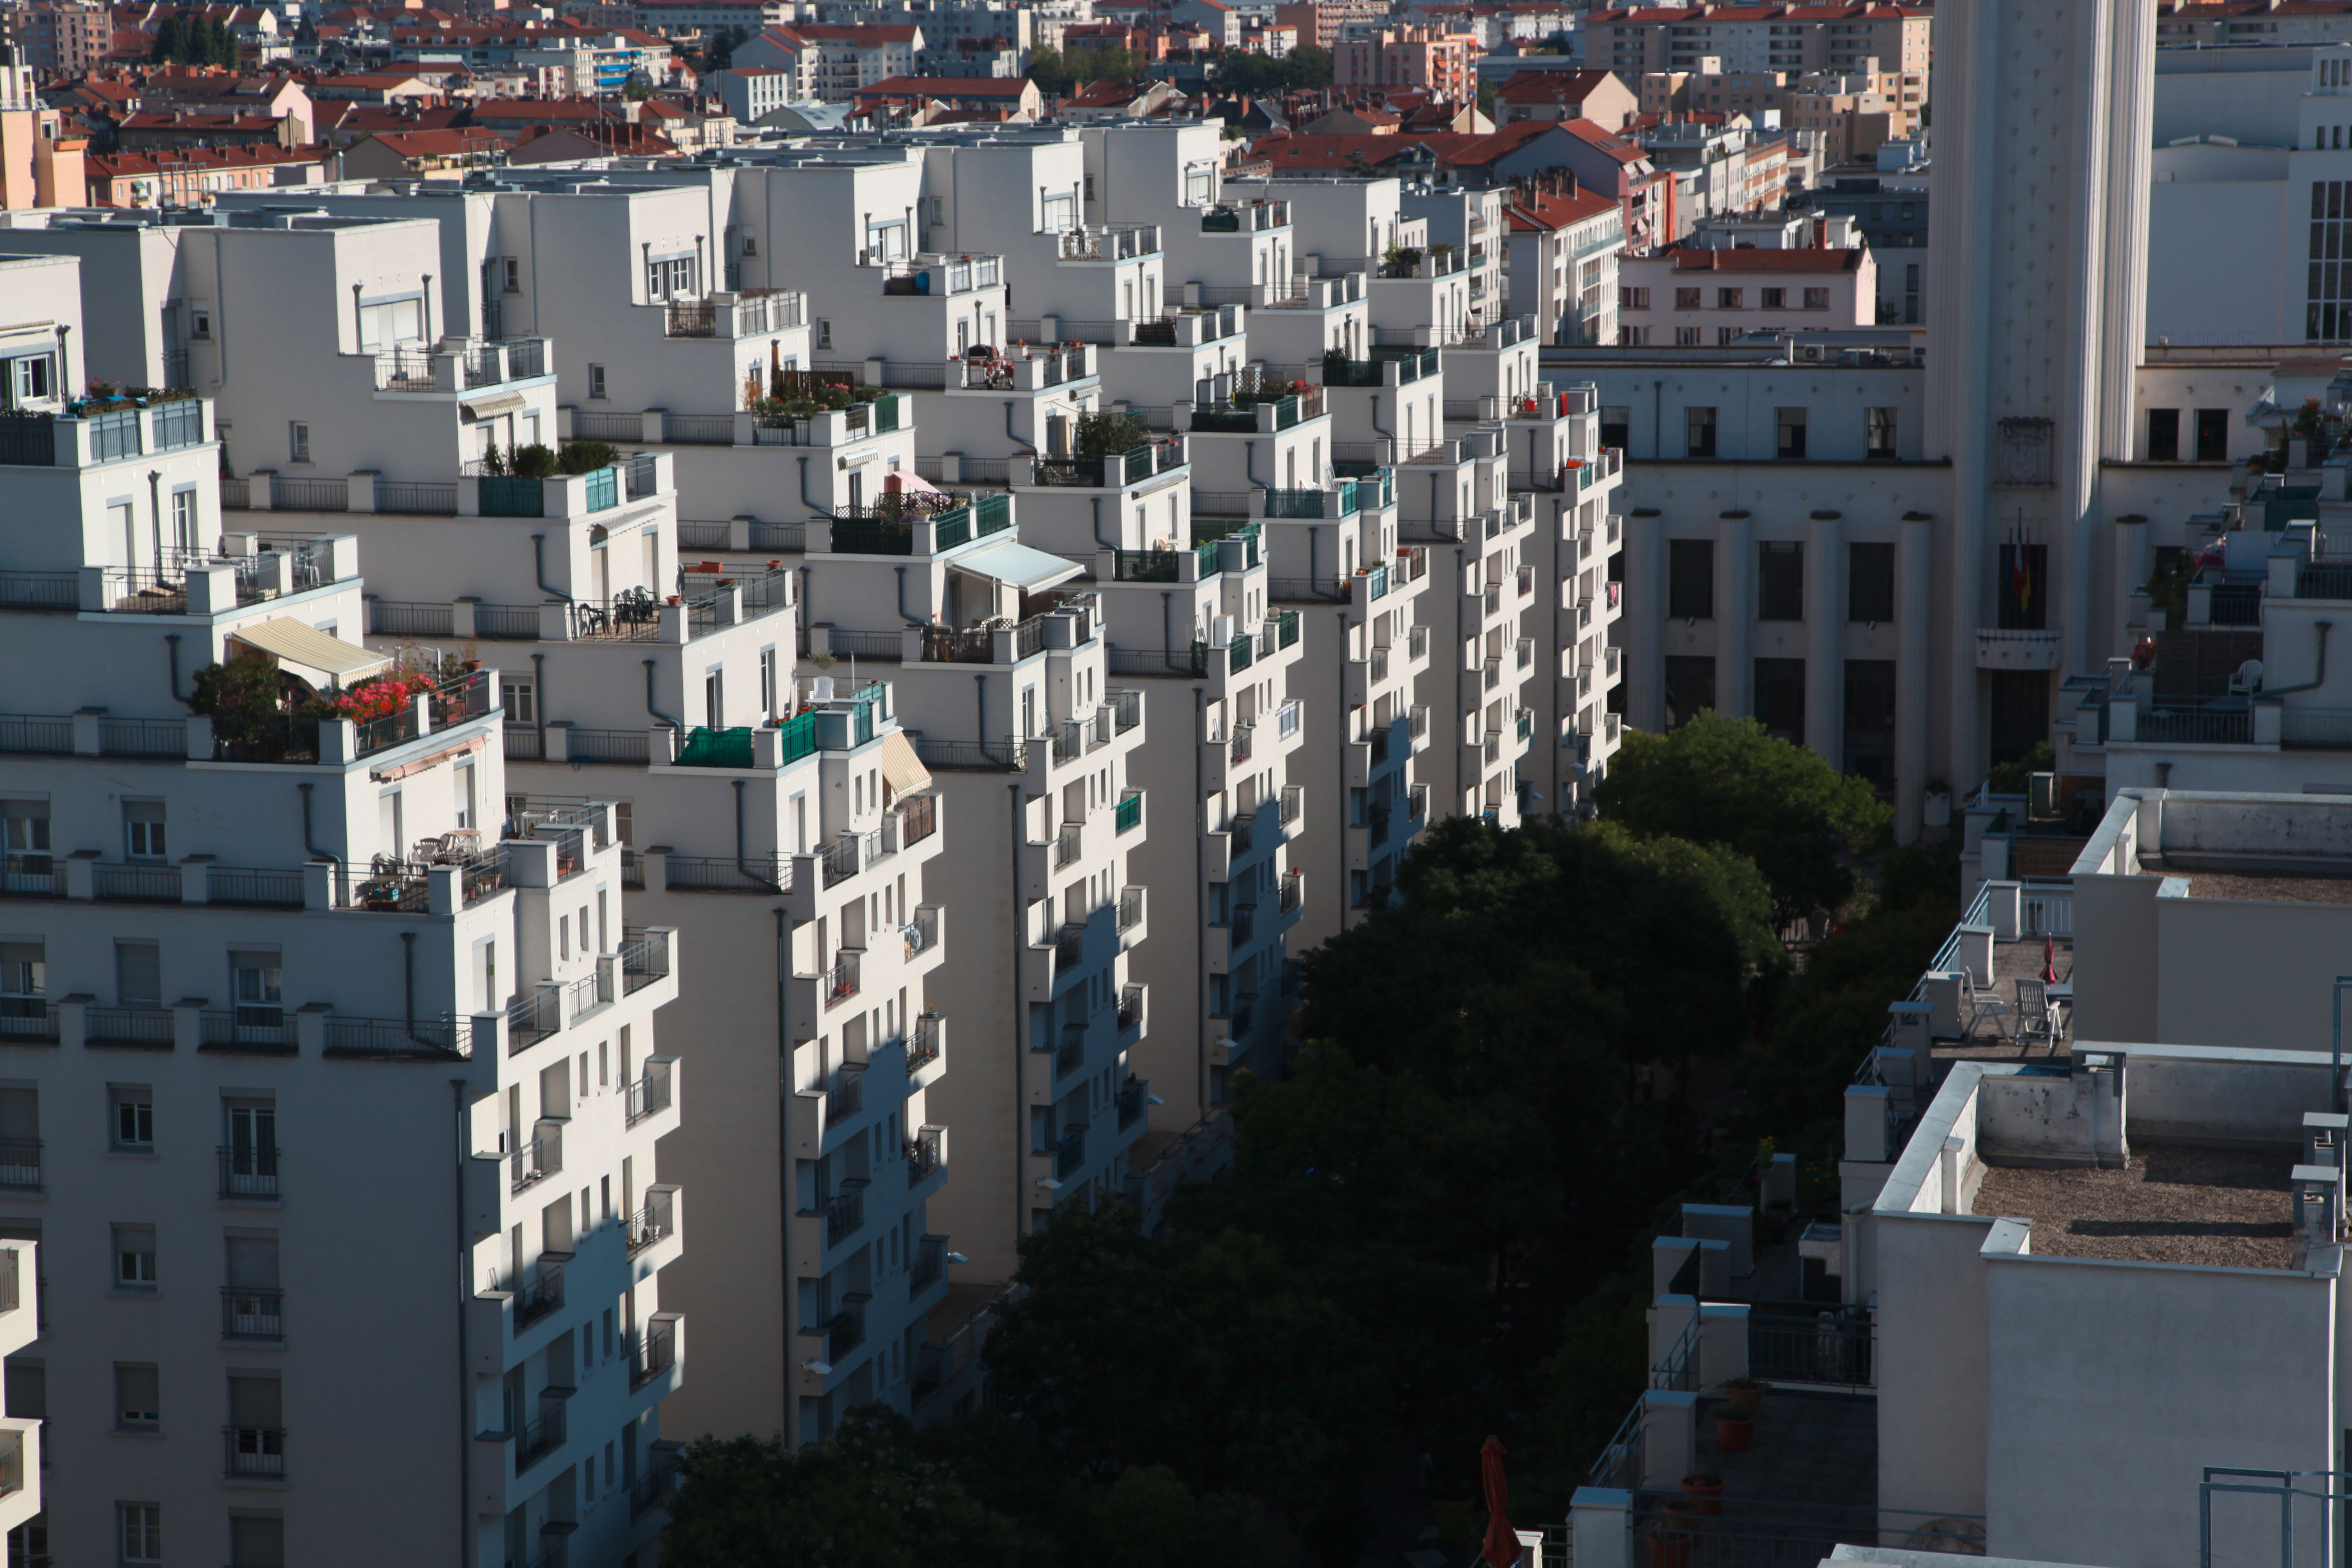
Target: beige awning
{"x": 316, "y": 655}
{"x": 1030, "y": 571}
{"x": 901, "y": 769}
{"x": 504, "y": 402}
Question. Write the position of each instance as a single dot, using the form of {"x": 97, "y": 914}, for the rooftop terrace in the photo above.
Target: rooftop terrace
{"x": 2171, "y": 1202}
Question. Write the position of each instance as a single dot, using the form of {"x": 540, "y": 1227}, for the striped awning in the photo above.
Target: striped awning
{"x": 311, "y": 652}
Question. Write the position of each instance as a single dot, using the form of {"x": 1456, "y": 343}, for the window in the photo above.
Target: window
{"x": 596, "y": 381}
{"x": 387, "y": 324}
{"x": 518, "y": 697}
{"x": 768, "y": 682}
{"x": 1633, "y": 337}
{"x": 1817, "y": 298}
{"x": 1790, "y": 427}
{"x": 140, "y": 1527}
{"x": 24, "y": 837}
{"x": 1878, "y": 435}
{"x": 1870, "y": 583}
{"x": 134, "y": 1257}
{"x": 254, "y": 985}
{"x": 1061, "y": 213}
{"x": 1687, "y": 299}
{"x": 256, "y": 1541}
{"x": 714, "y": 699}
{"x": 24, "y": 980}
{"x": 184, "y": 520}
{"x": 251, "y": 1154}
{"x": 2163, "y": 435}
{"x": 510, "y": 274}
{"x": 1633, "y": 298}
{"x": 673, "y": 276}
{"x": 1776, "y": 298}
{"x": 1616, "y": 426}
{"x": 133, "y": 1118}
{"x": 1687, "y": 337}
{"x": 298, "y": 442}
{"x": 2212, "y": 435}
{"x": 824, "y": 332}
{"x": 1690, "y": 579}
{"x": 1781, "y": 580}
{"x": 1699, "y": 427}
{"x": 29, "y": 378}
{"x": 1690, "y": 688}
{"x": 1726, "y": 336}
{"x": 1729, "y": 298}
{"x": 142, "y": 830}
{"x": 1870, "y": 720}
{"x": 1780, "y": 697}
{"x": 138, "y": 1399}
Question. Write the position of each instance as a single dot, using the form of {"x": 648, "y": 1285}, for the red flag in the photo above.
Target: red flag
{"x": 1502, "y": 1549}
{"x": 2049, "y": 961}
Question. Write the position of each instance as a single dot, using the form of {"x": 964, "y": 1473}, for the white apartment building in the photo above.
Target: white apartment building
{"x": 239, "y": 929}
{"x": 1692, "y": 296}
{"x": 1635, "y": 40}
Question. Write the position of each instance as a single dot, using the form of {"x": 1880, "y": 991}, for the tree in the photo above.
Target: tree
{"x": 1486, "y": 98}
{"x": 1110, "y": 434}
{"x": 862, "y": 1499}
{"x": 720, "y": 53}
{"x": 1724, "y": 781}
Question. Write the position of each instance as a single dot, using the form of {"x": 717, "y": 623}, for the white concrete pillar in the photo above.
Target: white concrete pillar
{"x": 1646, "y": 618}
{"x": 1912, "y": 616}
{"x": 1735, "y": 616}
{"x": 1826, "y": 637}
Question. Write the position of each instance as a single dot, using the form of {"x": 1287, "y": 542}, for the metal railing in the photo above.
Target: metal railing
{"x": 533, "y": 1017}
{"x": 542, "y": 1437}
{"x": 923, "y": 1042}
{"x": 645, "y": 958}
{"x": 839, "y": 984}
{"x": 250, "y": 1313}
{"x": 1830, "y": 1348}
{"x": 248, "y": 1173}
{"x": 254, "y": 1451}
{"x": 844, "y": 1214}
{"x": 536, "y": 1161}
{"x": 1130, "y": 908}
{"x": 649, "y": 1094}
{"x": 922, "y": 1158}
{"x": 20, "y": 1163}
{"x": 1069, "y": 947}
{"x": 127, "y": 1025}
{"x": 136, "y": 883}
{"x": 654, "y": 1222}
{"x": 264, "y": 1027}
{"x": 719, "y": 874}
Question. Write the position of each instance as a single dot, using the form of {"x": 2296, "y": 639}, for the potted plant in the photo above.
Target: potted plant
{"x": 1935, "y": 810}
{"x": 1670, "y": 1546}
{"x": 1735, "y": 1434}
{"x": 1743, "y": 1397}
{"x": 1706, "y": 1487}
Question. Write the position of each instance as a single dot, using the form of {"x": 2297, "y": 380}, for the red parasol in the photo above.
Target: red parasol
{"x": 1502, "y": 1549}
{"x": 2049, "y": 961}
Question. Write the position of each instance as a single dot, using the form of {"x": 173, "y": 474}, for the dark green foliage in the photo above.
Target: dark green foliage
{"x": 1063, "y": 71}
{"x": 532, "y": 462}
{"x": 586, "y": 456}
{"x": 1725, "y": 782}
{"x": 1305, "y": 69}
{"x": 185, "y": 39}
{"x": 1108, "y": 435}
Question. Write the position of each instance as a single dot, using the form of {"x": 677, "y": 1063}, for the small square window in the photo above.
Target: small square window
{"x": 596, "y": 381}
{"x": 133, "y": 1118}
{"x": 298, "y": 442}
{"x": 1685, "y": 299}
{"x": 1817, "y": 298}
{"x": 513, "y": 274}
{"x": 1729, "y": 298}
{"x": 134, "y": 1257}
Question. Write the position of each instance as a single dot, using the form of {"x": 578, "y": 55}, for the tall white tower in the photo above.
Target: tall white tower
{"x": 2039, "y": 304}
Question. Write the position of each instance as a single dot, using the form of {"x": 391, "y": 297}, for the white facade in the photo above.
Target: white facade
{"x": 308, "y": 948}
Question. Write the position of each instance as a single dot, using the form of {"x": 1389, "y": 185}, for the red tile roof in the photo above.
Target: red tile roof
{"x": 1547, "y": 210}
{"x": 1552, "y": 87}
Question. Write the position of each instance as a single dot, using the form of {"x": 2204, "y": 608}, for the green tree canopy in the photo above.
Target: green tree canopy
{"x": 1725, "y": 782}
{"x": 862, "y": 1499}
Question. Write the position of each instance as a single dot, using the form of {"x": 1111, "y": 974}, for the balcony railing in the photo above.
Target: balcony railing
{"x": 253, "y": 1313}
{"x": 247, "y": 1172}
{"x": 923, "y": 1042}
{"x": 542, "y": 1437}
{"x": 20, "y": 1163}
{"x": 255, "y": 1451}
{"x": 536, "y": 1161}
{"x": 1131, "y": 1103}
{"x": 645, "y": 958}
{"x": 1070, "y": 1154}
{"x": 1130, "y": 908}
{"x": 1131, "y": 1007}
{"x": 649, "y": 1095}
{"x": 922, "y": 1157}
{"x": 844, "y": 1214}
{"x": 839, "y": 982}
{"x": 654, "y": 1222}
{"x": 1292, "y": 883}
{"x": 542, "y": 1295}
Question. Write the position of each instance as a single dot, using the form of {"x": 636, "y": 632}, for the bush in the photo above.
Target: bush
{"x": 1109, "y": 435}
{"x": 587, "y": 456}
{"x": 532, "y": 462}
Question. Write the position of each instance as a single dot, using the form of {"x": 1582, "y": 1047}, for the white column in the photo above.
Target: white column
{"x": 1646, "y": 619}
{"x": 1826, "y": 637}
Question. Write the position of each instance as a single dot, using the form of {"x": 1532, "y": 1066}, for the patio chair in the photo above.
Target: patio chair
{"x": 1988, "y": 1005}
{"x": 2034, "y": 1020}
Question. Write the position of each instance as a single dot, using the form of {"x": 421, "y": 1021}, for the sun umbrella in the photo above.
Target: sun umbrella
{"x": 1502, "y": 1544}
{"x": 2049, "y": 961}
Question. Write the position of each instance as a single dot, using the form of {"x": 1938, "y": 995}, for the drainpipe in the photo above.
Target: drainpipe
{"x": 1658, "y": 419}
{"x": 1200, "y": 864}
{"x": 155, "y": 514}
{"x": 465, "y": 1290}
{"x": 980, "y": 708}
{"x": 1020, "y": 1101}
{"x": 408, "y": 981}
{"x": 902, "y": 598}
{"x": 804, "y": 495}
{"x": 649, "y": 700}
{"x": 1376, "y": 418}
{"x": 173, "y": 639}
{"x": 1096, "y": 501}
{"x": 539, "y": 568}
{"x": 2318, "y": 676}
{"x": 1314, "y": 538}
{"x": 1340, "y": 755}
{"x": 1011, "y": 436}
{"x": 742, "y": 860}
{"x": 1249, "y": 459}
{"x": 1461, "y": 591}
{"x": 783, "y": 1132}
{"x": 315, "y": 853}
{"x": 539, "y": 694}
{"x": 1166, "y": 644}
